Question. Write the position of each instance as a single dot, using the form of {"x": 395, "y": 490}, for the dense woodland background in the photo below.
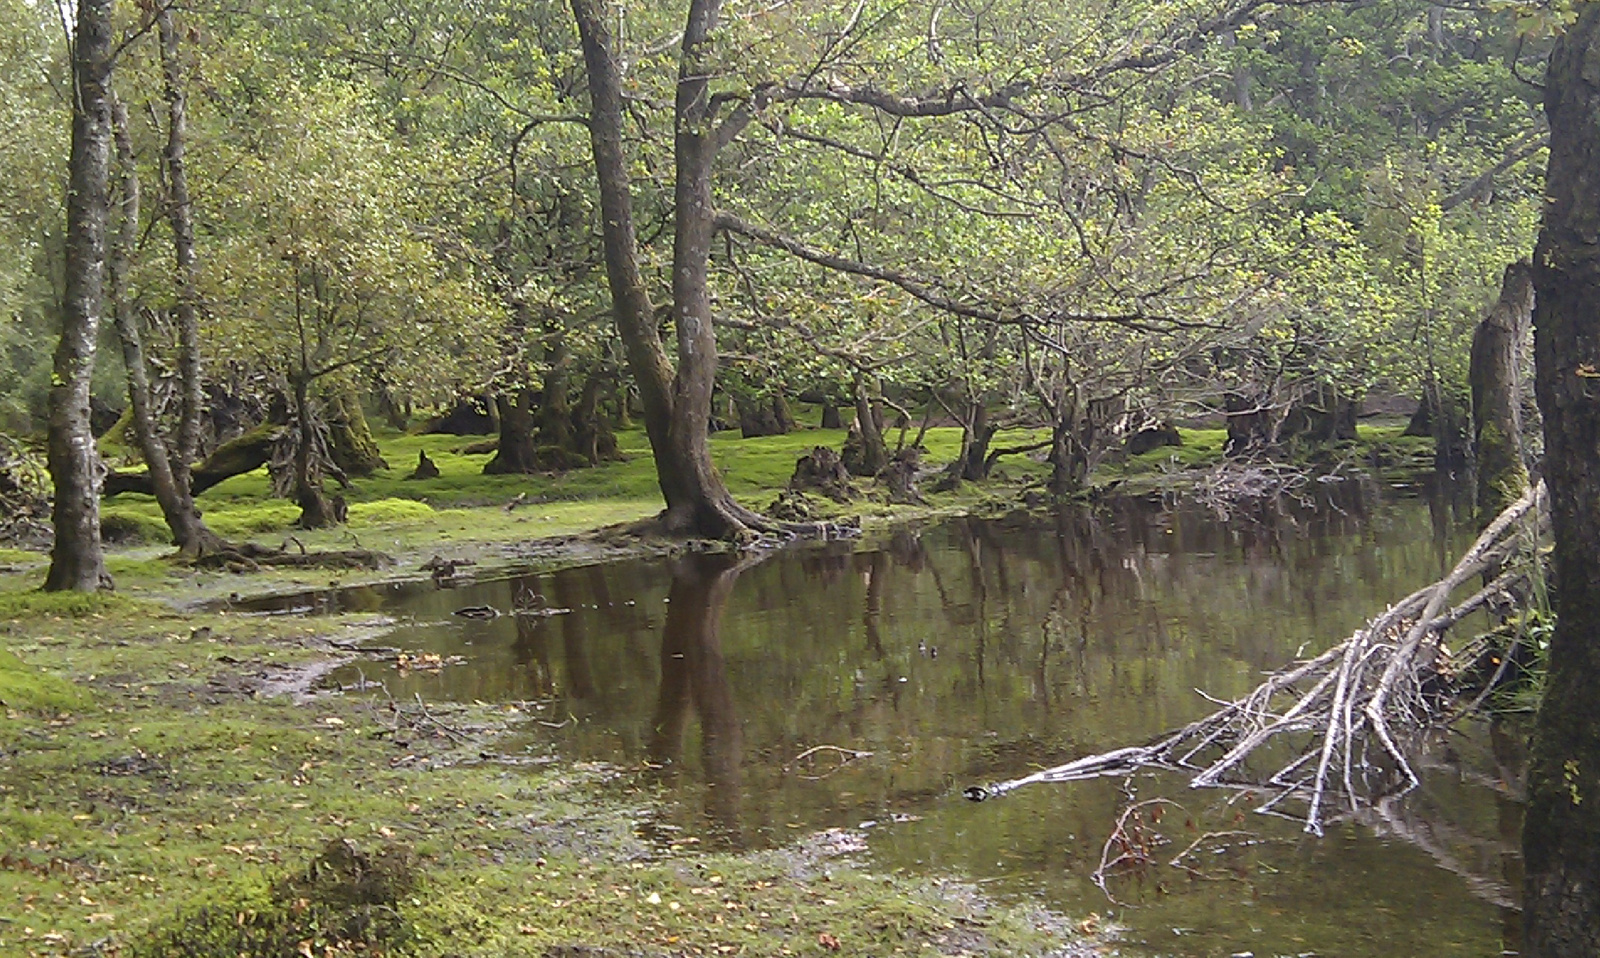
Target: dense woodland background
{"x": 1094, "y": 218}
{"x": 233, "y": 232}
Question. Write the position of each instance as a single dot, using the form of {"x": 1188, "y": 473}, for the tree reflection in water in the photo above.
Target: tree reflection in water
{"x": 694, "y": 674}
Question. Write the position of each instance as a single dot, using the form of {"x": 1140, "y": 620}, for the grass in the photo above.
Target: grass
{"x": 151, "y": 785}
{"x": 151, "y": 780}
{"x": 460, "y": 513}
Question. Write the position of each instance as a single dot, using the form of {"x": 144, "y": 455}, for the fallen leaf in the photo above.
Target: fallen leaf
{"x": 829, "y": 942}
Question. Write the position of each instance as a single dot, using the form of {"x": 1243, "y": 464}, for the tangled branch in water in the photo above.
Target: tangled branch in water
{"x": 1328, "y": 737}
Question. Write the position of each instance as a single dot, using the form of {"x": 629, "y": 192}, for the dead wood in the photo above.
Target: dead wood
{"x": 1328, "y": 737}
{"x": 249, "y": 557}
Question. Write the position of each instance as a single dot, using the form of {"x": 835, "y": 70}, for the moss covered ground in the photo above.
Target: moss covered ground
{"x": 462, "y": 513}
{"x": 163, "y": 775}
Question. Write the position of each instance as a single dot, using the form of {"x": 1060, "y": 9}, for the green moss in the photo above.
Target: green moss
{"x": 66, "y": 605}
{"x": 247, "y": 518}
{"x": 133, "y": 524}
{"x": 168, "y": 813}
{"x": 22, "y": 687}
{"x": 1201, "y": 448}
{"x": 389, "y": 511}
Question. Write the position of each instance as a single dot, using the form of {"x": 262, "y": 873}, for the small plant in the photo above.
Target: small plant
{"x": 345, "y": 902}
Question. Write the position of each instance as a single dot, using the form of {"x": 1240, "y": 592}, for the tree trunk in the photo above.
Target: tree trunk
{"x": 1252, "y": 424}
{"x": 783, "y": 414}
{"x": 350, "y": 440}
{"x": 973, "y": 466}
{"x": 592, "y": 437}
{"x": 180, "y": 216}
{"x": 316, "y": 511}
{"x": 830, "y": 416}
{"x": 555, "y": 412}
{"x": 756, "y": 417}
{"x": 677, "y": 408}
{"x": 189, "y": 531}
{"x": 1561, "y": 836}
{"x": 77, "y": 561}
{"x": 1452, "y": 446}
{"x": 516, "y": 452}
{"x": 1496, "y": 379}
{"x": 239, "y": 455}
{"x": 1071, "y": 439}
{"x": 865, "y": 453}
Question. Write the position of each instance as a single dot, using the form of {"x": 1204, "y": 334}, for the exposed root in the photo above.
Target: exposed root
{"x": 1327, "y": 737}
{"x": 249, "y": 557}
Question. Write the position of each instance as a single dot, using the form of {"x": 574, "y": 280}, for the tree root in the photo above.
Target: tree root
{"x": 1333, "y": 729}
{"x": 249, "y": 557}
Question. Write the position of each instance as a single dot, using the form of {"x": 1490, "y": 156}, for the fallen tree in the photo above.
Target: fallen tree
{"x": 1328, "y": 737}
{"x": 235, "y": 457}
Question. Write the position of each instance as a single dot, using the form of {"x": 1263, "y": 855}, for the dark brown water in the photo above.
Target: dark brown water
{"x": 971, "y": 651}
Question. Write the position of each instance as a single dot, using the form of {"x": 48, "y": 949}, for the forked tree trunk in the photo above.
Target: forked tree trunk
{"x": 866, "y": 454}
{"x": 77, "y": 561}
{"x": 1561, "y": 837}
{"x": 516, "y": 452}
{"x": 316, "y": 510}
{"x": 1496, "y": 379}
{"x": 973, "y": 464}
{"x": 677, "y": 407}
{"x": 350, "y": 441}
{"x": 189, "y": 531}
{"x": 555, "y": 410}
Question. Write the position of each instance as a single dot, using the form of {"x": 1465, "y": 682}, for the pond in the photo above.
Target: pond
{"x": 862, "y": 685}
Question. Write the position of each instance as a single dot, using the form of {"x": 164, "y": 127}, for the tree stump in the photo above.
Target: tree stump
{"x": 822, "y": 471}
{"x": 426, "y": 468}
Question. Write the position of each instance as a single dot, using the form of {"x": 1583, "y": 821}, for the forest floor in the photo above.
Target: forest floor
{"x": 494, "y": 522}
{"x": 167, "y": 772}
{"x": 166, "y": 777}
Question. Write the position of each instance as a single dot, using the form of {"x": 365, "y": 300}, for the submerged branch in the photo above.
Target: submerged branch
{"x": 1329, "y": 735}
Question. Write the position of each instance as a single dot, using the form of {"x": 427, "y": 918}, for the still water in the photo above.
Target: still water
{"x": 970, "y": 651}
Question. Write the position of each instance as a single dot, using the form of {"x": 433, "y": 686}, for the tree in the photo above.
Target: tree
{"x": 332, "y": 261}
{"x": 170, "y": 462}
{"x": 677, "y": 403}
{"x": 1561, "y": 835}
{"x": 1495, "y": 375}
{"x": 76, "y": 559}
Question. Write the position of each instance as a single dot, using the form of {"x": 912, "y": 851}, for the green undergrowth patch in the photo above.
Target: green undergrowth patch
{"x": 28, "y": 689}
{"x": 179, "y": 808}
{"x": 1201, "y": 449}
{"x": 36, "y": 604}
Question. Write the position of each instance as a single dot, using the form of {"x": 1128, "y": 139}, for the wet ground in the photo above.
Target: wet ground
{"x": 861, "y": 686}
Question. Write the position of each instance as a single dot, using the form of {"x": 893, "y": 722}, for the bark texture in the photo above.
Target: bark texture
{"x": 1495, "y": 375}
{"x": 516, "y": 452}
{"x": 350, "y": 441}
{"x": 1561, "y": 836}
{"x": 189, "y": 531}
{"x": 77, "y": 561}
{"x": 180, "y": 217}
{"x": 676, "y": 404}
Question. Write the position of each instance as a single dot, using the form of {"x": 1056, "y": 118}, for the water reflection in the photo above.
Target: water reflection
{"x": 975, "y": 650}
{"x": 694, "y": 678}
